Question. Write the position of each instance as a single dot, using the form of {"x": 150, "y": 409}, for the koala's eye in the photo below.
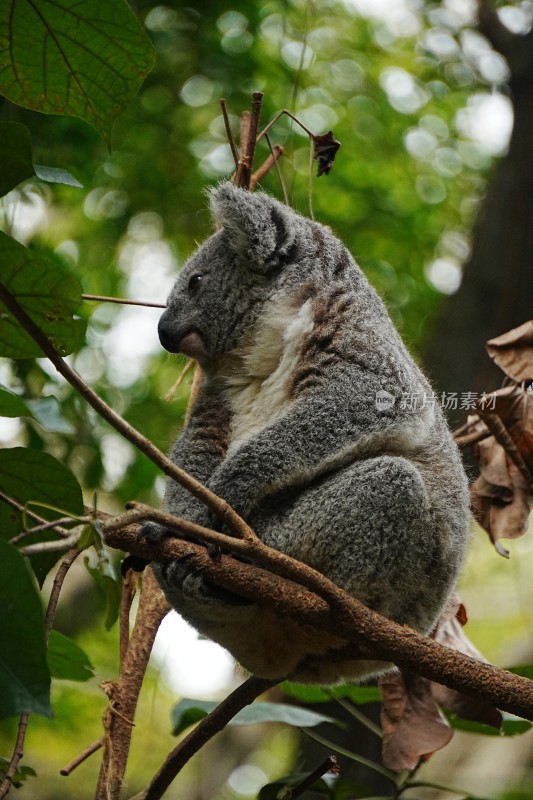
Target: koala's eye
{"x": 194, "y": 284}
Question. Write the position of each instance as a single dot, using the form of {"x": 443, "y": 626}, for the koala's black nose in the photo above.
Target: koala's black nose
{"x": 169, "y": 335}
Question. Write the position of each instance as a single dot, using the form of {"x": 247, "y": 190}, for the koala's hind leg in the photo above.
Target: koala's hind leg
{"x": 369, "y": 528}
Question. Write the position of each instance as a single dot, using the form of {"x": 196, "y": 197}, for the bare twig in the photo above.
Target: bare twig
{"x": 289, "y": 114}
{"x": 280, "y": 176}
{"x": 245, "y": 164}
{"x": 225, "y": 513}
{"x": 122, "y": 301}
{"x": 329, "y": 765}
{"x": 83, "y": 756}
{"x": 129, "y": 588}
{"x": 57, "y": 585}
{"x": 56, "y": 546}
{"x": 242, "y": 696}
{"x": 229, "y": 133}
{"x": 266, "y": 166}
{"x": 18, "y": 752}
{"x": 171, "y": 394}
{"x": 23, "y": 510}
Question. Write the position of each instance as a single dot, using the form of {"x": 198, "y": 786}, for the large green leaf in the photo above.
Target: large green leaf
{"x": 187, "y": 712}
{"x": 309, "y": 693}
{"x": 31, "y": 475}
{"x": 15, "y": 154}
{"x": 47, "y": 292}
{"x": 24, "y": 675}
{"x": 66, "y": 659}
{"x": 86, "y": 59}
{"x": 11, "y": 405}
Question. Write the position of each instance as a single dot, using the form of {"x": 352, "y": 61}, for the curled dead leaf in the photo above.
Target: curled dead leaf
{"x": 413, "y": 726}
{"x": 325, "y": 148}
{"x": 513, "y": 352}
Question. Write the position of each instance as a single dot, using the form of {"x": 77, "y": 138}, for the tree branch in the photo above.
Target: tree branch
{"x": 328, "y": 608}
{"x": 123, "y": 696}
{"x": 242, "y": 696}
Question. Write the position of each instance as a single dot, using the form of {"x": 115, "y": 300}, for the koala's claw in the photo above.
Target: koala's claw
{"x": 189, "y": 579}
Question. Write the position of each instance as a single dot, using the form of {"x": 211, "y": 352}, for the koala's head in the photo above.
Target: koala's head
{"x": 223, "y": 286}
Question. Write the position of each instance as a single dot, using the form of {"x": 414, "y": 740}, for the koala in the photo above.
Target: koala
{"x": 315, "y": 424}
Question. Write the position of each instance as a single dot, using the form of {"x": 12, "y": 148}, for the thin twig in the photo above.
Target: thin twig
{"x": 56, "y": 546}
{"x": 83, "y": 756}
{"x": 329, "y": 765}
{"x": 223, "y": 511}
{"x": 229, "y": 132}
{"x": 18, "y": 752}
{"x": 57, "y": 585}
{"x": 170, "y": 395}
{"x": 352, "y": 709}
{"x": 122, "y": 301}
{"x": 471, "y": 438}
{"x": 266, "y": 166}
{"x": 242, "y": 696}
{"x": 246, "y": 161}
{"x": 280, "y": 176}
{"x": 289, "y": 114}
{"x": 5, "y": 498}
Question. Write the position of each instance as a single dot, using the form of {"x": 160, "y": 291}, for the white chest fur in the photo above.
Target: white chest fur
{"x": 258, "y": 384}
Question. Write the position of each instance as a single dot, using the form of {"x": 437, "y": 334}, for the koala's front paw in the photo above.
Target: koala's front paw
{"x": 153, "y": 533}
{"x": 180, "y": 574}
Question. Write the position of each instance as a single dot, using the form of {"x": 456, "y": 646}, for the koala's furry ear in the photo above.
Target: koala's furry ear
{"x": 262, "y": 231}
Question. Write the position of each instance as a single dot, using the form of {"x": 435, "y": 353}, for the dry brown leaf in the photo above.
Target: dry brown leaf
{"x": 513, "y": 352}
{"x": 413, "y": 726}
{"x": 449, "y": 632}
{"x": 501, "y": 498}
{"x": 325, "y": 148}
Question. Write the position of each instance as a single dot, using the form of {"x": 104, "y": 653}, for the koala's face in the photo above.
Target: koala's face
{"x": 224, "y": 285}
{"x": 212, "y": 303}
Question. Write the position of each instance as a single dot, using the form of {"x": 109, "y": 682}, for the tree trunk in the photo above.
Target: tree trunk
{"x": 496, "y": 293}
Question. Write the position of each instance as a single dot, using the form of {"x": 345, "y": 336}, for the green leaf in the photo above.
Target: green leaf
{"x": 24, "y": 675}
{"x": 21, "y": 773}
{"x": 31, "y": 475}
{"x": 56, "y": 175}
{"x": 511, "y": 726}
{"x": 187, "y": 712}
{"x": 66, "y": 660}
{"x": 110, "y": 588}
{"x": 308, "y": 693}
{"x": 15, "y": 154}
{"x": 11, "y": 405}
{"x": 48, "y": 293}
{"x": 87, "y": 59}
{"x": 279, "y": 788}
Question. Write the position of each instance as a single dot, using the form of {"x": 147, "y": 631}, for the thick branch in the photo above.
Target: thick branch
{"x": 367, "y": 631}
{"x": 119, "y": 716}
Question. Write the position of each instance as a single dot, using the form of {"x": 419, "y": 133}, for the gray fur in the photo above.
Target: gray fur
{"x": 295, "y": 344}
